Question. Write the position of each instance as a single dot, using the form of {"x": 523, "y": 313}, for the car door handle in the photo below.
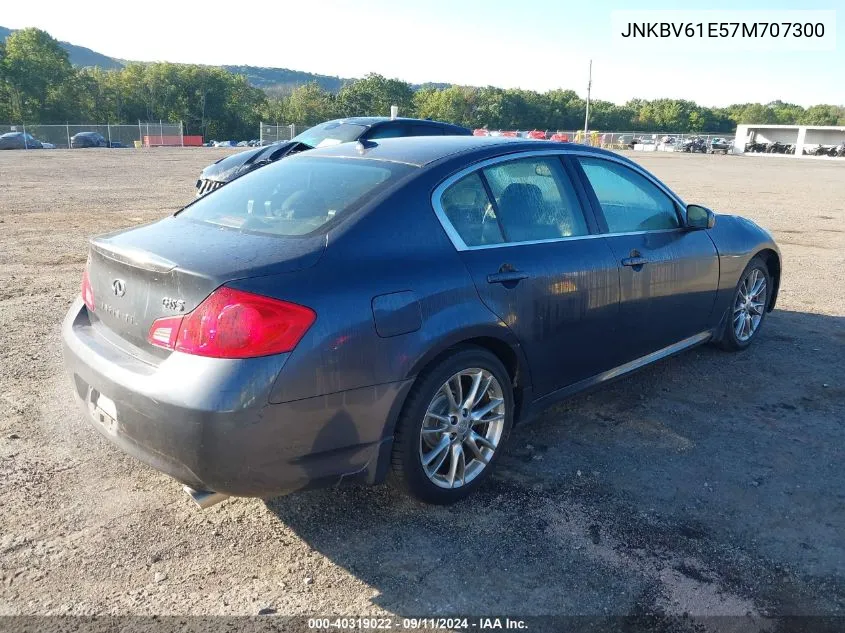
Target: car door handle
{"x": 634, "y": 261}
{"x": 508, "y": 276}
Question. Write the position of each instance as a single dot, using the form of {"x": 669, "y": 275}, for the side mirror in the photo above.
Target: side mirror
{"x": 699, "y": 217}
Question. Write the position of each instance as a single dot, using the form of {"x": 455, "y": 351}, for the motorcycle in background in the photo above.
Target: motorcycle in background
{"x": 754, "y": 146}
{"x": 694, "y": 144}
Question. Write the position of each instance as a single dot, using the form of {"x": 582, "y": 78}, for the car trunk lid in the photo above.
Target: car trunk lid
{"x": 168, "y": 268}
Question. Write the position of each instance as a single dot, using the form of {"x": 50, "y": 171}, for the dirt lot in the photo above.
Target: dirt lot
{"x": 710, "y": 483}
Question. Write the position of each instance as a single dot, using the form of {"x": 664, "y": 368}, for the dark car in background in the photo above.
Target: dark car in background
{"x": 19, "y": 140}
{"x": 328, "y": 133}
{"x": 88, "y": 139}
{"x": 396, "y": 307}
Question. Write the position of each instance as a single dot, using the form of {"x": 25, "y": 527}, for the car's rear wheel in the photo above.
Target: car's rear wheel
{"x": 453, "y": 427}
{"x": 748, "y": 309}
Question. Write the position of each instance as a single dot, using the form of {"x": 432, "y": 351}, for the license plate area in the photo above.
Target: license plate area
{"x": 103, "y": 411}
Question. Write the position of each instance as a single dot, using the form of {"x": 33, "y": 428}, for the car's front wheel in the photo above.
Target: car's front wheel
{"x": 453, "y": 427}
{"x": 748, "y": 309}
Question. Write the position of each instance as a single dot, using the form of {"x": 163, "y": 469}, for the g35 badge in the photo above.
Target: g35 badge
{"x": 178, "y": 305}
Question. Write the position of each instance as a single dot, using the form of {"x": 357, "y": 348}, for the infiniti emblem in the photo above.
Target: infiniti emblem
{"x": 118, "y": 286}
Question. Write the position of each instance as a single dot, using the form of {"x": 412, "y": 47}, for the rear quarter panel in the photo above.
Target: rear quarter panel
{"x": 396, "y": 246}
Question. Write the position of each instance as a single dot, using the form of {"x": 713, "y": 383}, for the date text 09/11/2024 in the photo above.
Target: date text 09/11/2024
{"x": 417, "y": 624}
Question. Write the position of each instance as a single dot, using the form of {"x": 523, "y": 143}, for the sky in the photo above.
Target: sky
{"x": 532, "y": 44}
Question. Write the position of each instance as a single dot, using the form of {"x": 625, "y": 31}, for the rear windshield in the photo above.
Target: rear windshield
{"x": 295, "y": 196}
{"x": 330, "y": 133}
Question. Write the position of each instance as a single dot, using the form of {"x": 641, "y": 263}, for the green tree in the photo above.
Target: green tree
{"x": 823, "y": 115}
{"x": 34, "y": 72}
{"x": 373, "y": 95}
{"x": 786, "y": 113}
{"x": 455, "y": 104}
{"x": 310, "y": 104}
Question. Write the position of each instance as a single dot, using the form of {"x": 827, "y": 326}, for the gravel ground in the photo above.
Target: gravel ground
{"x": 710, "y": 483}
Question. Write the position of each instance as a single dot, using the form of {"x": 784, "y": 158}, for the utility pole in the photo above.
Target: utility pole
{"x": 589, "y": 85}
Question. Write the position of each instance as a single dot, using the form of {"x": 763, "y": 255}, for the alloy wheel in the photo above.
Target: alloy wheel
{"x": 462, "y": 428}
{"x": 750, "y": 304}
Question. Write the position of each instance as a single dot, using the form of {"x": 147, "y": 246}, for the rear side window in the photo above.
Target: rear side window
{"x": 426, "y": 130}
{"x": 295, "y": 196}
{"x": 535, "y": 200}
{"x": 629, "y": 201}
{"x": 469, "y": 211}
{"x": 388, "y": 131}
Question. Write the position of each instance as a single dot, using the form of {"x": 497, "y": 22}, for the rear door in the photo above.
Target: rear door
{"x": 537, "y": 263}
{"x": 668, "y": 274}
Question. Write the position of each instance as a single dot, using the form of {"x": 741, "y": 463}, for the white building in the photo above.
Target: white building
{"x": 799, "y": 135}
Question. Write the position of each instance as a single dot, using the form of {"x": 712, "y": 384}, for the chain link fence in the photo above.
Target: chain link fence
{"x": 665, "y": 141}
{"x": 662, "y": 141}
{"x": 270, "y": 133}
{"x": 141, "y": 134}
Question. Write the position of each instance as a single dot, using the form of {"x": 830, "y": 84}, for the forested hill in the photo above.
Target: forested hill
{"x": 79, "y": 55}
{"x": 275, "y": 79}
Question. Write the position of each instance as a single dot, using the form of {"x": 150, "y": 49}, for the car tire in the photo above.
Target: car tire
{"x": 743, "y": 312}
{"x": 418, "y": 435}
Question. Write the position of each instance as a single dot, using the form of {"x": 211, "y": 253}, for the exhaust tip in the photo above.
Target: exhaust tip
{"x": 204, "y": 498}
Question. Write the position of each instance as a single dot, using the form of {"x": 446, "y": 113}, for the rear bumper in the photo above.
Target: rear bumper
{"x": 208, "y": 422}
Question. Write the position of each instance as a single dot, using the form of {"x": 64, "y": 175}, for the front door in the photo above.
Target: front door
{"x": 669, "y": 274}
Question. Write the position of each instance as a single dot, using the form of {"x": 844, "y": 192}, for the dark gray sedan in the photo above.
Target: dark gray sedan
{"x": 334, "y": 132}
{"x": 19, "y": 140}
{"x": 395, "y": 308}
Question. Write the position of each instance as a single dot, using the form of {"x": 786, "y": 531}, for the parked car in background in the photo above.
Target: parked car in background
{"x": 88, "y": 139}
{"x": 627, "y": 141}
{"x": 19, "y": 140}
{"x": 329, "y": 133}
{"x": 537, "y": 135}
{"x": 46, "y": 145}
{"x": 396, "y": 307}
{"x": 481, "y": 132}
{"x": 720, "y": 145}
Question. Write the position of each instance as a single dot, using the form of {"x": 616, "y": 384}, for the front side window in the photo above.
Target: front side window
{"x": 535, "y": 200}
{"x": 295, "y": 196}
{"x": 629, "y": 201}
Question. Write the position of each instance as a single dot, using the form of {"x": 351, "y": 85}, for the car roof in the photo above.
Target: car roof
{"x": 370, "y": 121}
{"x": 423, "y": 150}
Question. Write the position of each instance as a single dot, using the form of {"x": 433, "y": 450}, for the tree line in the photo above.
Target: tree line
{"x": 38, "y": 84}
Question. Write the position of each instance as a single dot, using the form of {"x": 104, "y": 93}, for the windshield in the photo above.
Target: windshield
{"x": 330, "y": 133}
{"x": 295, "y": 196}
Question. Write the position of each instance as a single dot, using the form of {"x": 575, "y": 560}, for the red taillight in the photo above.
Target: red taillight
{"x": 87, "y": 291}
{"x": 234, "y": 324}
